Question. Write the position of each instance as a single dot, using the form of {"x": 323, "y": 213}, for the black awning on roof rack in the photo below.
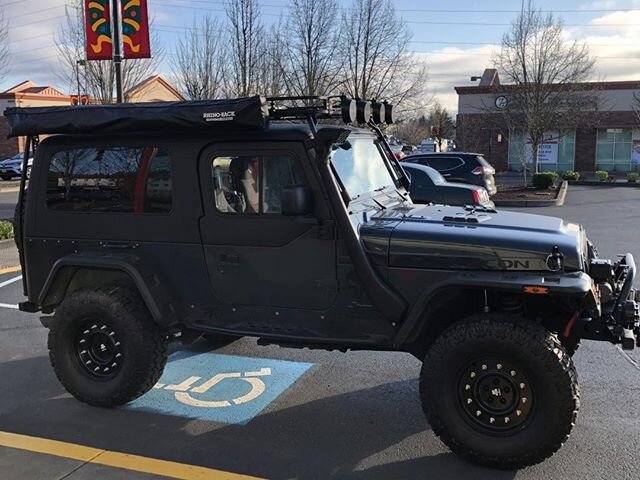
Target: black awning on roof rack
{"x": 204, "y": 115}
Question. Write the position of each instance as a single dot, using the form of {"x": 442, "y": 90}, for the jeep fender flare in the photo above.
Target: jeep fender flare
{"x": 576, "y": 284}
{"x": 149, "y": 286}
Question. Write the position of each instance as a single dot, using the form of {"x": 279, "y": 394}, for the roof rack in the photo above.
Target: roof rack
{"x": 348, "y": 110}
{"x": 205, "y": 115}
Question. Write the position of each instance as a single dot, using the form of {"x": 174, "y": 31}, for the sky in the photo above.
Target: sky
{"x": 455, "y": 39}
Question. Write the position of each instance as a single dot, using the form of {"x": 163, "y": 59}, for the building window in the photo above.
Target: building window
{"x": 253, "y": 184}
{"x": 110, "y": 180}
{"x": 613, "y": 150}
{"x": 556, "y": 155}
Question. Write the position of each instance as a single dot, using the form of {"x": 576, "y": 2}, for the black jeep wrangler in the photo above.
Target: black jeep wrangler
{"x": 145, "y": 224}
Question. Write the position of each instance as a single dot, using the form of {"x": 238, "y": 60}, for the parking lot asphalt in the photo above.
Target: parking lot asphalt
{"x": 329, "y": 415}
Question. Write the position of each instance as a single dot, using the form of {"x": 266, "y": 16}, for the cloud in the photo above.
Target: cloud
{"x": 612, "y": 39}
{"x": 31, "y": 42}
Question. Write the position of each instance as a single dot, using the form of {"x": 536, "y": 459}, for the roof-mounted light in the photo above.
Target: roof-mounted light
{"x": 379, "y": 112}
{"x": 364, "y": 111}
{"x": 389, "y": 113}
{"x": 349, "y": 110}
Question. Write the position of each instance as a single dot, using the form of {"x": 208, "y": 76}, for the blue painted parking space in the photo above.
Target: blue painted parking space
{"x": 219, "y": 388}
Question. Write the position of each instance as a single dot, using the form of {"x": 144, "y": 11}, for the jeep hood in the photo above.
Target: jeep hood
{"x": 443, "y": 237}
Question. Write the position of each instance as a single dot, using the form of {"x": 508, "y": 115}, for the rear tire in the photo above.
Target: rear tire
{"x": 500, "y": 392}
{"x": 105, "y": 348}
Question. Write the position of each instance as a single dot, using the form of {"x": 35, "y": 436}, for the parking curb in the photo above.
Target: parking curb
{"x": 557, "y": 202}
{"x": 14, "y": 269}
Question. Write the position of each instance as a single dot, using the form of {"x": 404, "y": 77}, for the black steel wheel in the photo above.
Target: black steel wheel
{"x": 99, "y": 349}
{"x": 104, "y": 346}
{"x": 496, "y": 396}
{"x": 500, "y": 391}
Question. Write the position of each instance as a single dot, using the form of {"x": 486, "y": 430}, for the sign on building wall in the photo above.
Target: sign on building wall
{"x": 547, "y": 151}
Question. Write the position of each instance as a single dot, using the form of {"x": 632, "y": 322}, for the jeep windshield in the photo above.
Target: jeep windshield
{"x": 361, "y": 166}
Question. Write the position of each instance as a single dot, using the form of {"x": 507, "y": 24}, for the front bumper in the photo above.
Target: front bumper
{"x": 619, "y": 321}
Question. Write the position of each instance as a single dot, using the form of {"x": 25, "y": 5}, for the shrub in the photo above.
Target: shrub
{"x": 571, "y": 176}
{"x": 602, "y": 175}
{"x": 633, "y": 177}
{"x": 6, "y": 230}
{"x": 543, "y": 181}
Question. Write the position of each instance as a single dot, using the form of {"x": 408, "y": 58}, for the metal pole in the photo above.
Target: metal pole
{"x": 117, "y": 48}
{"x": 78, "y": 79}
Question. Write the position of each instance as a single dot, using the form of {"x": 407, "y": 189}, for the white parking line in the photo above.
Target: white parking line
{"x": 4, "y": 284}
{"x": 10, "y": 281}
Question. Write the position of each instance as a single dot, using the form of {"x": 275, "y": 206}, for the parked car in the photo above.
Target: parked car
{"x": 408, "y": 149}
{"x": 459, "y": 167}
{"x": 429, "y": 186}
{"x": 397, "y": 151}
{"x": 12, "y": 167}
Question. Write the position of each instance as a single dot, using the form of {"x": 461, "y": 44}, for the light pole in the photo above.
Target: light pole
{"x": 79, "y": 63}
{"x": 117, "y": 48}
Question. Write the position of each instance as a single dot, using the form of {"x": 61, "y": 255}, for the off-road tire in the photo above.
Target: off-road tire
{"x": 143, "y": 345}
{"x": 531, "y": 350}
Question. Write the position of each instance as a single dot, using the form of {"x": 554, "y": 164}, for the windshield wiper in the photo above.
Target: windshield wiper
{"x": 379, "y": 204}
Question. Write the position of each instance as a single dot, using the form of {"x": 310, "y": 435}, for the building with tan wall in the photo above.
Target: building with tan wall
{"x": 611, "y": 142}
{"x": 28, "y": 94}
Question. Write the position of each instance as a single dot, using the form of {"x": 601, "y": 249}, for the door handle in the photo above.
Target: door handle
{"x": 229, "y": 259}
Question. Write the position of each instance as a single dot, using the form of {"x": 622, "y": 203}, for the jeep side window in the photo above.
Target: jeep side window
{"x": 252, "y": 184}
{"x": 110, "y": 180}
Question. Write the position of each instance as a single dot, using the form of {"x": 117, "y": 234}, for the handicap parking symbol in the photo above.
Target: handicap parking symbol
{"x": 220, "y": 388}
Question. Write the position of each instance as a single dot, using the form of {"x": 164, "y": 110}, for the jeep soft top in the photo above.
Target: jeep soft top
{"x": 259, "y": 217}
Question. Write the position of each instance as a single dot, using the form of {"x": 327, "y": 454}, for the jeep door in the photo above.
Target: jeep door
{"x": 257, "y": 256}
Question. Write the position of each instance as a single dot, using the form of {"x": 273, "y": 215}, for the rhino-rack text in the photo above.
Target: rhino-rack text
{"x": 219, "y": 116}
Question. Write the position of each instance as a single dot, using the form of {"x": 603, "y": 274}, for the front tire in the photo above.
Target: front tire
{"x": 500, "y": 392}
{"x": 105, "y": 348}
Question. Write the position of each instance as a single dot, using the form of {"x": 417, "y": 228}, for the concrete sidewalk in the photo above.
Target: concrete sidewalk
{"x": 8, "y": 254}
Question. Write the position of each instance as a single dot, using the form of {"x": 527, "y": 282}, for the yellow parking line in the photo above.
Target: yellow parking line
{"x": 13, "y": 269}
{"x": 108, "y": 458}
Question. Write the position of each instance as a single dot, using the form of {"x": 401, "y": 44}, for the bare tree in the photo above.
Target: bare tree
{"x": 636, "y": 106}
{"x": 271, "y": 80}
{"x": 441, "y": 124}
{"x": 4, "y": 46}
{"x": 546, "y": 72}
{"x": 311, "y": 62}
{"x": 247, "y": 44}
{"x": 411, "y": 130}
{"x": 99, "y": 76}
{"x": 375, "y": 40}
{"x": 198, "y": 60}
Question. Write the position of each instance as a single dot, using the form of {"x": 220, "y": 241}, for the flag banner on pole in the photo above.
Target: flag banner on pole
{"x": 135, "y": 29}
{"x": 98, "y": 32}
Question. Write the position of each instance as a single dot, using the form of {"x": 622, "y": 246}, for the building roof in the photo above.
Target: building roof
{"x": 490, "y": 83}
{"x": 148, "y": 82}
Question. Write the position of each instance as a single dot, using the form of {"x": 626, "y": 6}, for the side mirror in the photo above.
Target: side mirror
{"x": 296, "y": 200}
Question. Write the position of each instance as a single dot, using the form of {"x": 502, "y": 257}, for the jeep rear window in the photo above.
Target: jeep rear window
{"x": 111, "y": 180}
